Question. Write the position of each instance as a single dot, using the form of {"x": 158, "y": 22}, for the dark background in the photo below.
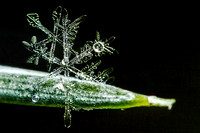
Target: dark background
{"x": 159, "y": 54}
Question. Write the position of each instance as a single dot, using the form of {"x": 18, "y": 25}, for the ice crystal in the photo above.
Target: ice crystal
{"x": 63, "y": 34}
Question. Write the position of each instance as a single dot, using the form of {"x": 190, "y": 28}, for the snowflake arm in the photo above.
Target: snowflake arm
{"x": 56, "y": 15}
{"x": 33, "y": 19}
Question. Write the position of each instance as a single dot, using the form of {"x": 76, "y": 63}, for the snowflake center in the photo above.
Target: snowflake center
{"x": 63, "y": 62}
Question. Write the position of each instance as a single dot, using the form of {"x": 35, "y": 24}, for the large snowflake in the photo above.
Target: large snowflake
{"x": 64, "y": 34}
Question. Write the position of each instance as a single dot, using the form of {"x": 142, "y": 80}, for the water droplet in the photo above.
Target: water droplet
{"x": 35, "y": 98}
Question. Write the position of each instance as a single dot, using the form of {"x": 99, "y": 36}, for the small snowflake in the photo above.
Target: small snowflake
{"x": 101, "y": 47}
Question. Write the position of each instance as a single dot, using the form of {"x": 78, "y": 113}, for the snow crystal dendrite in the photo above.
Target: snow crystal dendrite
{"x": 63, "y": 34}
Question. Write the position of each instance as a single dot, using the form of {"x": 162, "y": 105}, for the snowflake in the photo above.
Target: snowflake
{"x": 64, "y": 34}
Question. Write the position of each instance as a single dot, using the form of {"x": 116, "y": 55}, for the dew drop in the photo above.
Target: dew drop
{"x": 35, "y": 98}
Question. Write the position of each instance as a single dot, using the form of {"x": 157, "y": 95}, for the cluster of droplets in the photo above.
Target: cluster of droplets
{"x": 64, "y": 34}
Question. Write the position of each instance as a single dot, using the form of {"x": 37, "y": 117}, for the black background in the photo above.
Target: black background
{"x": 159, "y": 54}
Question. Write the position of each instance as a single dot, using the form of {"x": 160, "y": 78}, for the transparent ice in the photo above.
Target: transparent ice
{"x": 35, "y": 98}
{"x": 63, "y": 34}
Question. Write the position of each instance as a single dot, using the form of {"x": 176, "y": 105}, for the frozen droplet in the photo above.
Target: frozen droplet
{"x": 35, "y": 98}
{"x": 98, "y": 47}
